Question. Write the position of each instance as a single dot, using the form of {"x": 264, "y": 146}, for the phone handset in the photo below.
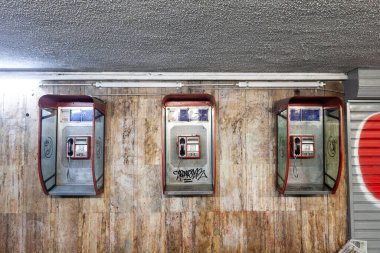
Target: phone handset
{"x": 182, "y": 151}
{"x": 296, "y": 154}
{"x": 297, "y": 144}
{"x": 70, "y": 144}
{"x": 70, "y": 153}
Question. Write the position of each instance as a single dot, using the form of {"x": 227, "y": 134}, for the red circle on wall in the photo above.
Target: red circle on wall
{"x": 369, "y": 154}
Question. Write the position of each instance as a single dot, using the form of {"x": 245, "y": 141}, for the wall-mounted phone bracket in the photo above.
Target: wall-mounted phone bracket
{"x": 71, "y": 145}
{"x": 309, "y": 145}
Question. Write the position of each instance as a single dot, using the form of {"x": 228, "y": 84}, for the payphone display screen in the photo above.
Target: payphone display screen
{"x": 81, "y": 149}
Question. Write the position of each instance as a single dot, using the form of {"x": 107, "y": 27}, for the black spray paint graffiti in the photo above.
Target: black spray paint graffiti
{"x": 48, "y": 147}
{"x": 331, "y": 146}
{"x": 189, "y": 175}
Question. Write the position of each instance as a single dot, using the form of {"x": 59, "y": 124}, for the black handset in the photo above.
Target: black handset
{"x": 70, "y": 143}
{"x": 182, "y": 147}
{"x": 297, "y": 142}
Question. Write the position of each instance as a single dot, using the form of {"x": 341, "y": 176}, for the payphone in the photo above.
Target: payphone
{"x": 302, "y": 146}
{"x": 309, "y": 145}
{"x": 78, "y": 147}
{"x": 71, "y": 140}
{"x": 188, "y": 157}
{"x": 189, "y": 147}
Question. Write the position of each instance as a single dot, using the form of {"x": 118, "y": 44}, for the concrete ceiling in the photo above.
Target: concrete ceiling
{"x": 179, "y": 35}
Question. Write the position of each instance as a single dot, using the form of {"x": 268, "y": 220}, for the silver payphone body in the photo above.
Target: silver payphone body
{"x": 74, "y": 136}
{"x": 188, "y": 144}
{"x": 306, "y": 146}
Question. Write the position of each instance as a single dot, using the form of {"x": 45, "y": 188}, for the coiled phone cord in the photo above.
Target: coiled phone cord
{"x": 295, "y": 170}
{"x": 68, "y": 171}
{"x": 179, "y": 163}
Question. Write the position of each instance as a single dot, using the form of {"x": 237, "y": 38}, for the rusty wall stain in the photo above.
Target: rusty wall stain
{"x": 151, "y": 149}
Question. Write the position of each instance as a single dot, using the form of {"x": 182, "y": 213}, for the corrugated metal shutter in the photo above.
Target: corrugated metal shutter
{"x": 362, "y": 83}
{"x": 363, "y": 132}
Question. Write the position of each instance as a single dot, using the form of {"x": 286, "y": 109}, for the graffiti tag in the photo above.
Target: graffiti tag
{"x": 48, "y": 147}
{"x": 331, "y": 146}
{"x": 189, "y": 175}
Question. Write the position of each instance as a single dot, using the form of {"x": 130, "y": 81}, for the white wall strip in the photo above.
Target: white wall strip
{"x": 172, "y": 76}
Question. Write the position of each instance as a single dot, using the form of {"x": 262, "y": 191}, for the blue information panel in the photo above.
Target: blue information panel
{"x": 203, "y": 114}
{"x": 295, "y": 114}
{"x": 310, "y": 115}
{"x": 183, "y": 115}
{"x": 304, "y": 114}
{"x": 81, "y": 115}
{"x": 75, "y": 115}
{"x": 87, "y": 115}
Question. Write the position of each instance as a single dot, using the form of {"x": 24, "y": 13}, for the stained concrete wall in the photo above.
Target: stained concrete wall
{"x": 245, "y": 215}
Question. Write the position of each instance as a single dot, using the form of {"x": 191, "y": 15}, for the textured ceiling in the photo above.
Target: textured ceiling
{"x": 175, "y": 35}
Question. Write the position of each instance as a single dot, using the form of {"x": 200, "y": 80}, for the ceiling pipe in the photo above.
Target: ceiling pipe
{"x": 284, "y": 84}
{"x": 171, "y": 76}
{"x": 126, "y": 84}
